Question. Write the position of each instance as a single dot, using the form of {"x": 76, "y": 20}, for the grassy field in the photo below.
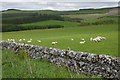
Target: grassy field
{"x": 84, "y": 16}
{"x": 53, "y": 22}
{"x": 13, "y": 66}
{"x": 101, "y": 20}
{"x": 63, "y": 37}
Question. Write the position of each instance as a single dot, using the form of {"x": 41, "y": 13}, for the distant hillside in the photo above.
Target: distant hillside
{"x": 12, "y": 18}
{"x": 11, "y": 10}
{"x": 80, "y": 11}
{"x": 94, "y": 13}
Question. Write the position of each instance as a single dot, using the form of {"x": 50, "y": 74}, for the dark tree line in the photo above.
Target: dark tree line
{"x": 29, "y": 19}
{"x": 11, "y": 22}
{"x": 11, "y": 27}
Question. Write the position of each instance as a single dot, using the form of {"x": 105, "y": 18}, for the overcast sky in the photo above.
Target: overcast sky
{"x": 56, "y": 4}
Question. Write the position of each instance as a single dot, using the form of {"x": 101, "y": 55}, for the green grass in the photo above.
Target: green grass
{"x": 103, "y": 20}
{"x": 52, "y": 22}
{"x": 84, "y": 16}
{"x": 63, "y": 36}
{"x": 15, "y": 67}
{"x": 92, "y": 16}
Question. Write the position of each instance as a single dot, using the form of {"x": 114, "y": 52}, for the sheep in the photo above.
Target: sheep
{"x": 24, "y": 39}
{"x": 82, "y": 42}
{"x": 11, "y": 40}
{"x": 97, "y": 39}
{"x": 72, "y": 39}
{"x": 8, "y": 39}
{"x": 82, "y": 39}
{"x": 39, "y": 40}
{"x": 91, "y": 39}
{"x": 20, "y": 40}
{"x": 29, "y": 41}
{"x": 103, "y": 38}
{"x": 54, "y": 43}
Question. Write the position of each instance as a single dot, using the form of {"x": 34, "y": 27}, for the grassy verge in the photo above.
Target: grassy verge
{"x": 52, "y": 22}
{"x": 15, "y": 67}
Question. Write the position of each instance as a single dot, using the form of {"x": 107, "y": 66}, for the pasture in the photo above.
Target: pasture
{"x": 66, "y": 24}
{"x": 13, "y": 66}
{"x": 63, "y": 37}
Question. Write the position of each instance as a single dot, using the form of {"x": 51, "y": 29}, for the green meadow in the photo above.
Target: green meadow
{"x": 63, "y": 37}
{"x": 13, "y": 66}
{"x": 66, "y": 24}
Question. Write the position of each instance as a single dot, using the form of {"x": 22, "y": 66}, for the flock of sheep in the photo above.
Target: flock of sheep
{"x": 96, "y": 39}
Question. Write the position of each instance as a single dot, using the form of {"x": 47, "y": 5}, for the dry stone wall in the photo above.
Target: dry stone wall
{"x": 78, "y": 62}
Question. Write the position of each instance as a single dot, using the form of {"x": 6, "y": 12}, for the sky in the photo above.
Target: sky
{"x": 60, "y": 5}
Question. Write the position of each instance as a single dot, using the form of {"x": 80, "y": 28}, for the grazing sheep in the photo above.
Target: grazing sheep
{"x": 8, "y": 39}
{"x": 29, "y": 41}
{"x": 82, "y": 39}
{"x": 97, "y": 39}
{"x": 72, "y": 39}
{"x": 54, "y": 43}
{"x": 82, "y": 42}
{"x": 11, "y": 40}
{"x": 91, "y": 39}
{"x": 104, "y": 38}
{"x": 39, "y": 40}
{"x": 24, "y": 39}
{"x": 20, "y": 40}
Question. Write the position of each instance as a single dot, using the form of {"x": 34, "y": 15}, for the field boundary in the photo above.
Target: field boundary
{"x": 79, "y": 62}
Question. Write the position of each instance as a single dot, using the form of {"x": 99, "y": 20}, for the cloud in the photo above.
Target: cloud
{"x": 59, "y": 1}
{"x": 55, "y": 5}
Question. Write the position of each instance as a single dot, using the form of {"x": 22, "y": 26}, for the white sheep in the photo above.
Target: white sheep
{"x": 54, "y": 43}
{"x": 82, "y": 39}
{"x": 29, "y": 41}
{"x": 72, "y": 39}
{"x": 104, "y": 38}
{"x": 8, "y": 39}
{"x": 39, "y": 40}
{"x": 20, "y": 40}
{"x": 24, "y": 39}
{"x": 12, "y": 40}
{"x": 82, "y": 42}
{"x": 97, "y": 39}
